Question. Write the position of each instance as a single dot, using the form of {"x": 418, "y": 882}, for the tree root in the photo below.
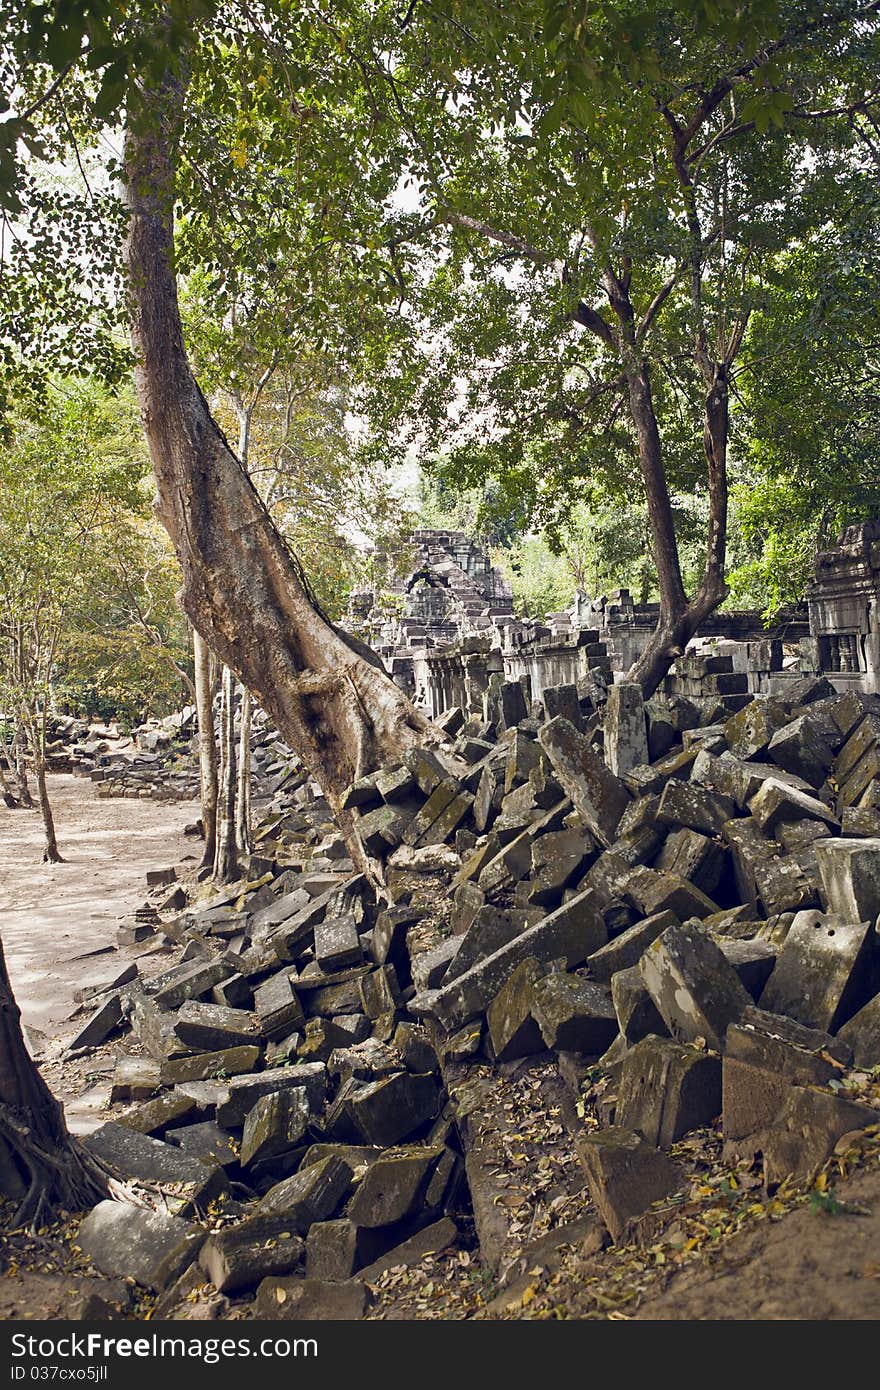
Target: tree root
{"x": 58, "y": 1173}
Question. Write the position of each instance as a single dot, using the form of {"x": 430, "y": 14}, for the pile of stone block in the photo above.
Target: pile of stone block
{"x": 682, "y": 893}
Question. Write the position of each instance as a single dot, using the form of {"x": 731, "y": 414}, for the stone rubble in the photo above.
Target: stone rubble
{"x": 332, "y": 1085}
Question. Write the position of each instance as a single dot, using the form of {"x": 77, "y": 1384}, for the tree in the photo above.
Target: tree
{"x": 65, "y": 492}
{"x": 604, "y": 195}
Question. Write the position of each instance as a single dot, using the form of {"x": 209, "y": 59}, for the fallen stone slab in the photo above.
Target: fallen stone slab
{"x": 392, "y": 1187}
{"x": 307, "y": 1300}
{"x": 278, "y": 1008}
{"x": 850, "y": 873}
{"x": 574, "y": 1015}
{"x": 749, "y": 731}
{"x": 776, "y": 802}
{"x": 625, "y": 1175}
{"x": 753, "y": 960}
{"x": 627, "y": 949}
{"x": 698, "y": 858}
{"x": 696, "y": 991}
{"x": 155, "y": 1116}
{"x": 135, "y": 1078}
{"x": 824, "y": 971}
{"x": 513, "y": 1030}
{"x": 188, "y": 1183}
{"x": 804, "y": 1136}
{"x": 573, "y": 932}
{"x": 313, "y": 1194}
{"x": 238, "y": 1257}
{"x": 667, "y": 1089}
{"x": 391, "y": 1109}
{"x": 862, "y": 1034}
{"x": 192, "y": 982}
{"x": 207, "y": 1142}
{"x": 150, "y": 1247}
{"x": 243, "y": 1092}
{"x": 637, "y": 1014}
{"x": 599, "y": 797}
{"x": 275, "y": 1125}
{"x": 430, "y": 1240}
{"x": 214, "y": 1027}
{"x": 766, "y": 1054}
{"x": 693, "y": 807}
{"x": 799, "y": 747}
{"x": 492, "y": 928}
{"x": 101, "y": 1024}
{"x": 337, "y": 943}
{"x": 207, "y": 1066}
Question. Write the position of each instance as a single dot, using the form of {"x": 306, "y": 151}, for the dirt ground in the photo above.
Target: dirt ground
{"x": 58, "y": 920}
{"x": 815, "y": 1262}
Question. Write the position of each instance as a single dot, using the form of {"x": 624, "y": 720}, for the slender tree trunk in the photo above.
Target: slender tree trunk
{"x": 51, "y": 854}
{"x": 21, "y": 773}
{"x": 243, "y": 841}
{"x": 207, "y": 745}
{"x": 679, "y": 617}
{"x": 330, "y": 698}
{"x": 226, "y": 857}
{"x": 48, "y": 1167}
{"x": 6, "y": 791}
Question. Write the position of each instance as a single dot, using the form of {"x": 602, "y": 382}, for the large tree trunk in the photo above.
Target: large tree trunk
{"x": 242, "y": 588}
{"x": 243, "y": 841}
{"x": 207, "y": 745}
{"x": 226, "y": 857}
{"x": 41, "y": 1165}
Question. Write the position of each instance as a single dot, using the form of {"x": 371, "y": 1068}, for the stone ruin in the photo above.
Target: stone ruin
{"x": 324, "y": 1086}
{"x": 455, "y": 631}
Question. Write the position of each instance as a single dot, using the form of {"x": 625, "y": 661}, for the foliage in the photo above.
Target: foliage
{"x": 87, "y": 615}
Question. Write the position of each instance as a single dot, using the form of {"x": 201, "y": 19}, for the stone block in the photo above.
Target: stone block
{"x": 393, "y": 1187}
{"x": 626, "y": 738}
{"x": 694, "y": 807}
{"x": 597, "y": 795}
{"x": 306, "y": 1300}
{"x": 150, "y": 1247}
{"x": 392, "y": 1109}
{"x": 213, "y": 1027}
{"x": 238, "y": 1257}
{"x": 275, "y": 1125}
{"x": 627, "y": 949}
{"x": 574, "y": 1015}
{"x": 850, "y": 874}
{"x": 512, "y": 1029}
{"x": 799, "y": 747}
{"x": 824, "y": 971}
{"x": 696, "y": 991}
{"x": 572, "y": 932}
{"x": 315, "y": 1193}
{"x": 862, "y": 1034}
{"x": 625, "y": 1175}
{"x": 667, "y": 1089}
{"x": 131, "y": 1155}
{"x": 243, "y": 1092}
{"x": 749, "y": 731}
{"x": 337, "y": 943}
{"x": 637, "y": 1014}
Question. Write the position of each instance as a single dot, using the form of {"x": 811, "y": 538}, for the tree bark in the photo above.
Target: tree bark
{"x": 21, "y": 776}
{"x": 243, "y": 842}
{"x": 207, "y": 746}
{"x": 51, "y": 854}
{"x": 331, "y": 700}
{"x": 226, "y": 856}
{"x": 44, "y": 1166}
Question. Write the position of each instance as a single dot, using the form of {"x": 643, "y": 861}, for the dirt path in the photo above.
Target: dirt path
{"x": 56, "y": 918}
